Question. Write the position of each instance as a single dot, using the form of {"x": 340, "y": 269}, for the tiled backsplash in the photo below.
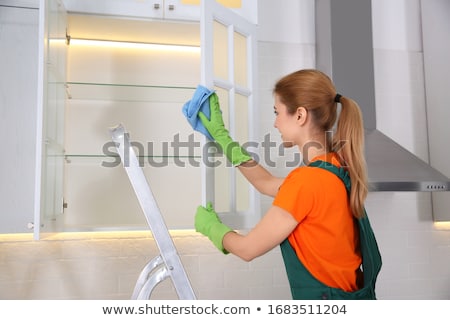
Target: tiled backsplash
{"x": 107, "y": 266}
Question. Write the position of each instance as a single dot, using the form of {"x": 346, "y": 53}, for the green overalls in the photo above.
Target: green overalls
{"x": 305, "y": 286}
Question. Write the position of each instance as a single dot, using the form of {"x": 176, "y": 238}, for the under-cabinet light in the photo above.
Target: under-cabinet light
{"x": 442, "y": 225}
{"x": 135, "y": 45}
{"x": 88, "y": 235}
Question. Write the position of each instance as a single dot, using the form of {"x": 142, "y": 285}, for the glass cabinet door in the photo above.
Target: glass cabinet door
{"x": 52, "y": 97}
{"x": 228, "y": 67}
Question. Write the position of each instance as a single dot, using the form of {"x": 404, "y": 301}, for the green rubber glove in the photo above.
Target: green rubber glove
{"x": 215, "y": 126}
{"x": 207, "y": 222}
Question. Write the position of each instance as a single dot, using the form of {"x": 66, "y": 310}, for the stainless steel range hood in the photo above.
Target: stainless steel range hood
{"x": 344, "y": 50}
{"x": 393, "y": 168}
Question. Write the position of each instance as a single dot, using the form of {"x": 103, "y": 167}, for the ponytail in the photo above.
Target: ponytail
{"x": 348, "y": 143}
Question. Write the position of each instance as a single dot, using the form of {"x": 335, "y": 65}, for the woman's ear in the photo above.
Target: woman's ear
{"x": 302, "y": 114}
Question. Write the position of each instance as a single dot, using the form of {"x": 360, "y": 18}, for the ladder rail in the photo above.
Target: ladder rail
{"x": 152, "y": 214}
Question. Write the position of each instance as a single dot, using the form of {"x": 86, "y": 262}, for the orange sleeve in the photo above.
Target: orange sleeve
{"x": 295, "y": 195}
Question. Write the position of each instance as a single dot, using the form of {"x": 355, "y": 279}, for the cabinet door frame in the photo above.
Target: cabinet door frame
{"x": 49, "y": 182}
{"x": 213, "y": 12}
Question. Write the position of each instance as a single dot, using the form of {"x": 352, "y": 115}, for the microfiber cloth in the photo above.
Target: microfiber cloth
{"x": 199, "y": 102}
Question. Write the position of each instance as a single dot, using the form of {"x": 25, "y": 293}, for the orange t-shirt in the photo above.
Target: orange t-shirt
{"x": 326, "y": 238}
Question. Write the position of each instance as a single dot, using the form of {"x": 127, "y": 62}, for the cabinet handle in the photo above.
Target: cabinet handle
{"x": 156, "y": 6}
{"x": 171, "y": 7}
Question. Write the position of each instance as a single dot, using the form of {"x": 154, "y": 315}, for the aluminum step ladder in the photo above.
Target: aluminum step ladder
{"x": 167, "y": 264}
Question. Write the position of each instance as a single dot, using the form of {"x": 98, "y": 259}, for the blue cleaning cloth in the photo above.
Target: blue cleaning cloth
{"x": 199, "y": 102}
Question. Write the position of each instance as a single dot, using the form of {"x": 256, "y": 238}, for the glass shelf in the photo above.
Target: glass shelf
{"x": 115, "y": 161}
{"x": 144, "y": 161}
{"x": 138, "y": 156}
{"x": 128, "y": 92}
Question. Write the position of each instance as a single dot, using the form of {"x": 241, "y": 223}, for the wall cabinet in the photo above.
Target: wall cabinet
{"x": 19, "y": 22}
{"x": 103, "y": 70}
{"x": 158, "y": 9}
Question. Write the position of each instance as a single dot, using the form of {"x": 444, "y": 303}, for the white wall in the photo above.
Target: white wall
{"x": 286, "y": 43}
{"x": 436, "y": 27}
{"x": 399, "y": 74}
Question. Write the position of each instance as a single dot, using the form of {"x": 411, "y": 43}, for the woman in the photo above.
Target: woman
{"x": 312, "y": 217}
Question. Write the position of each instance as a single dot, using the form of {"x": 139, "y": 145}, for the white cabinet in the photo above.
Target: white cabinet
{"x": 139, "y": 73}
{"x": 158, "y": 9}
{"x": 190, "y": 9}
{"x": 18, "y": 96}
{"x": 154, "y": 9}
{"x": 178, "y": 9}
{"x": 124, "y": 8}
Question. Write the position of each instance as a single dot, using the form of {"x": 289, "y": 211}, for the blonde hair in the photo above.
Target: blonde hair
{"x": 314, "y": 90}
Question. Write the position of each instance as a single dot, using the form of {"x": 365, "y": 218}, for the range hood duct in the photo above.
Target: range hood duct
{"x": 344, "y": 50}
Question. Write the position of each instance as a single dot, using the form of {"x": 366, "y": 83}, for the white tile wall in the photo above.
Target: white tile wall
{"x": 415, "y": 254}
{"x": 107, "y": 265}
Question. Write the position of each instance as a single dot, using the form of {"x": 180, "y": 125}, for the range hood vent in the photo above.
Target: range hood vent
{"x": 393, "y": 168}
{"x": 345, "y": 51}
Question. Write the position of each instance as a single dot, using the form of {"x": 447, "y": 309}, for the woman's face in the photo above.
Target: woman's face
{"x": 285, "y": 123}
